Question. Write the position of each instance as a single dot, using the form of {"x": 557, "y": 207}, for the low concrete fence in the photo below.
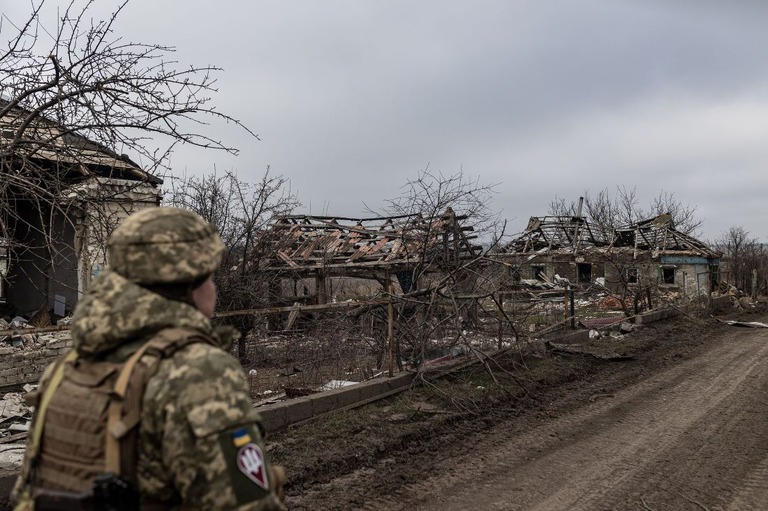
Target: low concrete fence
{"x": 655, "y": 315}
{"x": 279, "y": 415}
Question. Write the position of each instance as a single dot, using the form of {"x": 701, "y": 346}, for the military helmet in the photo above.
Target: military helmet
{"x": 164, "y": 245}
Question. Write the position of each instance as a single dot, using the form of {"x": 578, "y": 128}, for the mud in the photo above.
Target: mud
{"x": 682, "y": 426}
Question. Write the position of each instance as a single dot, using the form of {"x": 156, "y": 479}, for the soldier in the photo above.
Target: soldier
{"x": 149, "y": 411}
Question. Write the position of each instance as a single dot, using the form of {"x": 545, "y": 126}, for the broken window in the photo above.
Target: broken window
{"x": 584, "y": 271}
{"x": 667, "y": 274}
{"x": 714, "y": 276}
{"x": 539, "y": 271}
{"x": 514, "y": 274}
{"x": 630, "y": 275}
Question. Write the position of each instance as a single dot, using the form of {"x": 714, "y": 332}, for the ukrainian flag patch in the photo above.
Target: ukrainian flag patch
{"x": 241, "y": 437}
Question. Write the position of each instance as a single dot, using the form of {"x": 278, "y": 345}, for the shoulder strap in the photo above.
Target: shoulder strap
{"x": 119, "y": 421}
{"x": 57, "y": 374}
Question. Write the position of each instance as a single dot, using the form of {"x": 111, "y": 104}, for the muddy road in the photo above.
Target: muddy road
{"x": 693, "y": 436}
{"x": 691, "y": 433}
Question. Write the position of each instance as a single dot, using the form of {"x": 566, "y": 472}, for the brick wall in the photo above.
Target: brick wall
{"x": 26, "y": 363}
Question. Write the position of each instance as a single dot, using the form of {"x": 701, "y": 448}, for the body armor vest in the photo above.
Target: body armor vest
{"x": 88, "y": 415}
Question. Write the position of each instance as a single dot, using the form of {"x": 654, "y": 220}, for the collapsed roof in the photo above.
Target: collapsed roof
{"x": 575, "y": 234}
{"x": 347, "y": 245}
{"x": 557, "y": 233}
{"x": 38, "y": 143}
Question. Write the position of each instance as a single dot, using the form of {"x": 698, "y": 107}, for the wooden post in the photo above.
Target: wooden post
{"x": 573, "y": 308}
{"x": 754, "y": 284}
{"x": 390, "y": 328}
{"x": 501, "y": 316}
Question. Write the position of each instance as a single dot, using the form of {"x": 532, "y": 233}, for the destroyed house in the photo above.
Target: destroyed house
{"x": 314, "y": 255}
{"x": 650, "y": 253}
{"x": 62, "y": 194}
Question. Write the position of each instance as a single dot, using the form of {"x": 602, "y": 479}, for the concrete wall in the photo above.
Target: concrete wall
{"x": 655, "y": 315}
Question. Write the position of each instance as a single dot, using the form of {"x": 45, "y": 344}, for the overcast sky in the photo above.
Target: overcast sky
{"x": 351, "y": 98}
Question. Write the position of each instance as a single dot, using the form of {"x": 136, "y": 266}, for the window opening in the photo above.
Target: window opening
{"x": 584, "y": 272}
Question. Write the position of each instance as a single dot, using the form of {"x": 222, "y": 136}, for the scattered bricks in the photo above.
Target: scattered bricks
{"x": 6, "y": 350}
{"x": 55, "y": 344}
{"x": 45, "y": 339}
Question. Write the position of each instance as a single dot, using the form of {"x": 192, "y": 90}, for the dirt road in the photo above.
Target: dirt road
{"x": 693, "y": 436}
{"x": 683, "y": 426}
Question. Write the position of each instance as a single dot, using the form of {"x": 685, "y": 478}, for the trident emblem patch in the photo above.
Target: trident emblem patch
{"x": 250, "y": 461}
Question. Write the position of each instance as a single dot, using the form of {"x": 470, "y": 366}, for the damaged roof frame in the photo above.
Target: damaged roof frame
{"x": 358, "y": 246}
{"x": 575, "y": 234}
{"x": 35, "y": 141}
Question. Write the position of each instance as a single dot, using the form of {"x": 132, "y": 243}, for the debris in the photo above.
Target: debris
{"x": 292, "y": 392}
{"x": 19, "y": 322}
{"x": 12, "y": 405}
{"x": 575, "y": 349}
{"x": 336, "y": 384}
{"x": 747, "y": 324}
{"x": 19, "y": 427}
{"x": 292, "y": 371}
{"x": 64, "y": 321}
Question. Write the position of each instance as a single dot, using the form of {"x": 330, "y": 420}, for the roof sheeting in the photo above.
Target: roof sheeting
{"x": 44, "y": 141}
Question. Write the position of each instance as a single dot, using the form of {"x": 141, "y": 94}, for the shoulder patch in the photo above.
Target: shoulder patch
{"x": 246, "y": 463}
{"x": 250, "y": 461}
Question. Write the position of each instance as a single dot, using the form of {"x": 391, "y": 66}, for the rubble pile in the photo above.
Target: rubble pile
{"x": 25, "y": 351}
{"x": 15, "y": 419}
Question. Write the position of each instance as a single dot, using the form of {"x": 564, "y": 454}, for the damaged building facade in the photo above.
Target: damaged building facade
{"x": 62, "y": 195}
{"x": 650, "y": 254}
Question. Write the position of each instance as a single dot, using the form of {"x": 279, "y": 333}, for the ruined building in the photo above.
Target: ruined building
{"x": 647, "y": 254}
{"x": 60, "y": 197}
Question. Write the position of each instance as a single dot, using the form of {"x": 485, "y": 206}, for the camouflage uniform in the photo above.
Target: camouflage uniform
{"x": 196, "y": 411}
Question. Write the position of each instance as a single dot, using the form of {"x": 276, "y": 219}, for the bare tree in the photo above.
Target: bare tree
{"x": 742, "y": 256}
{"x": 443, "y": 212}
{"x": 241, "y": 211}
{"x": 75, "y": 100}
{"x": 608, "y": 212}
